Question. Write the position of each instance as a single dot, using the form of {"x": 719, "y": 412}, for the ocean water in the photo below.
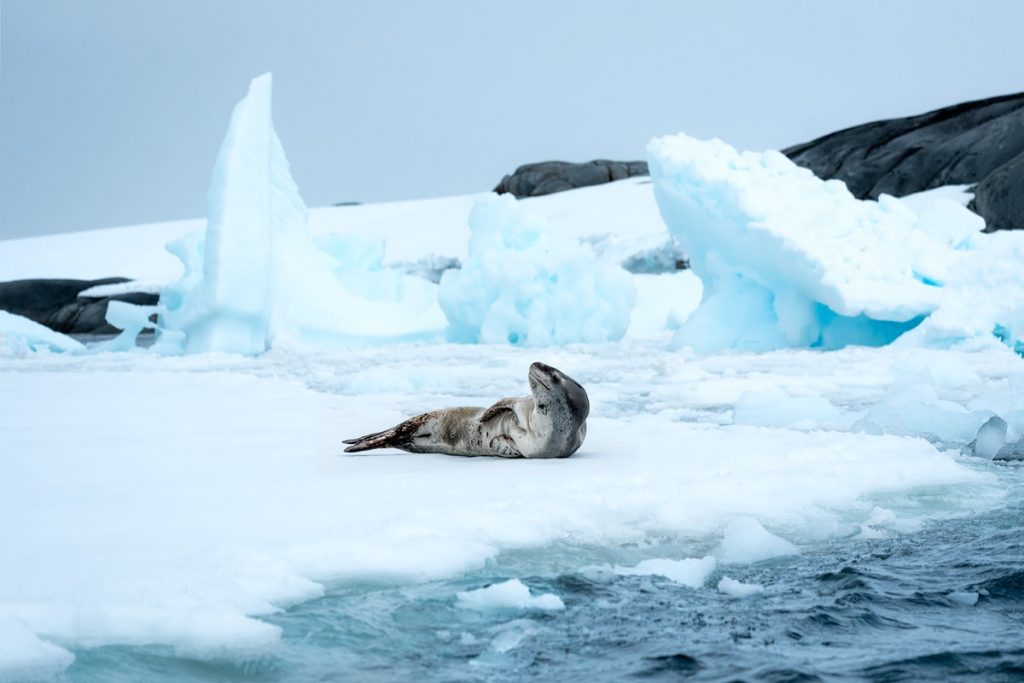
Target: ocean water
{"x": 944, "y": 602}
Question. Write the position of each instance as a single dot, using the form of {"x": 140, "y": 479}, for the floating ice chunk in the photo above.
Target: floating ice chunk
{"x": 964, "y": 598}
{"x": 256, "y": 279}
{"x": 19, "y": 335}
{"x": 787, "y": 259}
{"x": 991, "y": 437}
{"x": 738, "y": 589}
{"x": 747, "y": 541}
{"x": 522, "y": 284}
{"x": 776, "y": 408}
{"x": 882, "y": 520}
{"x": 915, "y": 410}
{"x": 511, "y": 594}
{"x": 912, "y": 408}
{"x": 692, "y": 571}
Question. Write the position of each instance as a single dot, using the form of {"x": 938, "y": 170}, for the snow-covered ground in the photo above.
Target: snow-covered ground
{"x": 174, "y": 500}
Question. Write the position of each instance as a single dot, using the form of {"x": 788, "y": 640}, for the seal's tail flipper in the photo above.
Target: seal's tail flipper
{"x": 400, "y": 436}
{"x": 385, "y": 439}
{"x": 364, "y": 438}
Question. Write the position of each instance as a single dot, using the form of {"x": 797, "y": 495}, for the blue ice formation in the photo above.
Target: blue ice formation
{"x": 789, "y": 260}
{"x": 984, "y": 296}
{"x": 19, "y": 336}
{"x": 256, "y": 278}
{"x": 522, "y": 284}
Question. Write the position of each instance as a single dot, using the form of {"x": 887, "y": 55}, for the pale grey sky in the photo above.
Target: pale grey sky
{"x": 111, "y": 111}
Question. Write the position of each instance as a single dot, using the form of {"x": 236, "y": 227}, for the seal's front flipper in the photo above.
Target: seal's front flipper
{"x": 499, "y": 408}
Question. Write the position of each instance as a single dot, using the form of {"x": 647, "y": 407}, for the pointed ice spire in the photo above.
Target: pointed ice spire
{"x": 256, "y": 279}
{"x": 252, "y": 198}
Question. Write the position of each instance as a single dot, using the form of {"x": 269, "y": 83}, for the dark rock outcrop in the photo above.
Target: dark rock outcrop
{"x": 999, "y": 198}
{"x": 974, "y": 143}
{"x": 56, "y": 304}
{"x": 547, "y": 177}
{"x": 980, "y": 142}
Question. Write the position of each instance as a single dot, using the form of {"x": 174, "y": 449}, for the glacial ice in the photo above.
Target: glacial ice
{"x": 787, "y": 259}
{"x": 19, "y": 335}
{"x": 525, "y": 285}
{"x": 257, "y": 279}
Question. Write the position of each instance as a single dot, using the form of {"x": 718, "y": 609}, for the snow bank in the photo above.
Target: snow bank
{"x": 24, "y": 657}
{"x": 511, "y": 594}
{"x": 691, "y": 572}
{"x": 257, "y": 279}
{"x": 523, "y": 284}
{"x": 19, "y": 335}
{"x": 787, "y": 259}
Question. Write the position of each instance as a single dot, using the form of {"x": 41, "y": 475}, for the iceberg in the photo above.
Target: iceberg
{"x": 523, "y": 284}
{"x": 257, "y": 279}
{"x": 789, "y": 260}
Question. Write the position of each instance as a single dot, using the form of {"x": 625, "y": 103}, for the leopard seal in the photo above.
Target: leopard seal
{"x": 550, "y": 423}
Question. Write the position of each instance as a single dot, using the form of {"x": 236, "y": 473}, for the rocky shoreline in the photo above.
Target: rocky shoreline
{"x": 57, "y": 304}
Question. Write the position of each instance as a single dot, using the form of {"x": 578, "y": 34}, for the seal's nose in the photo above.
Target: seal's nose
{"x": 541, "y": 367}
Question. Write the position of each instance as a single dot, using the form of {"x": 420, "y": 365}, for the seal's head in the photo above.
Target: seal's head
{"x": 555, "y": 391}
{"x": 560, "y": 408}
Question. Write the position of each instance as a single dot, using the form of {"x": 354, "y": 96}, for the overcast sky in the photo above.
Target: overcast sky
{"x": 111, "y": 111}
